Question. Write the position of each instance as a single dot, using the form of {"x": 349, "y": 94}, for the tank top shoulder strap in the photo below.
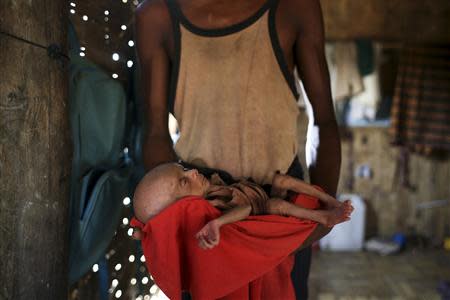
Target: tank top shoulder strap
{"x": 171, "y": 6}
{"x": 289, "y": 77}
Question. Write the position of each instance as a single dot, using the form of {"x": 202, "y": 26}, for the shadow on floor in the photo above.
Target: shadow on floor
{"x": 364, "y": 276}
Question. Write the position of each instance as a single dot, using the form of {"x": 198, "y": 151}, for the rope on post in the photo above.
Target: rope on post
{"x": 54, "y": 51}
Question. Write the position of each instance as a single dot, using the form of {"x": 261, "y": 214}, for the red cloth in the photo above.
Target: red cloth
{"x": 252, "y": 261}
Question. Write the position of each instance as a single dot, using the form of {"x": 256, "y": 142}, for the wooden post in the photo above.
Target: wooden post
{"x": 35, "y": 151}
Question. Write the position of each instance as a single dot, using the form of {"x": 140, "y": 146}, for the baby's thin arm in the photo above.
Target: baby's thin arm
{"x": 209, "y": 236}
{"x": 235, "y": 214}
{"x": 299, "y": 186}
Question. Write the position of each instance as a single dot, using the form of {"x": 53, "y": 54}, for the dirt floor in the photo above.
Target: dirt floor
{"x": 364, "y": 276}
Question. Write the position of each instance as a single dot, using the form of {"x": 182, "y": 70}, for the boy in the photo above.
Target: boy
{"x": 169, "y": 182}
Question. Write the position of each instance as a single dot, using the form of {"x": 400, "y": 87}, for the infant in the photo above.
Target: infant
{"x": 170, "y": 182}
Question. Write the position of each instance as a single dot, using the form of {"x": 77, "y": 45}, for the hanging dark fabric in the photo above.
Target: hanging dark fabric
{"x": 421, "y": 105}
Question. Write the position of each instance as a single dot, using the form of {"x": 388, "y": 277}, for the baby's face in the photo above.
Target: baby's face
{"x": 187, "y": 182}
{"x": 164, "y": 185}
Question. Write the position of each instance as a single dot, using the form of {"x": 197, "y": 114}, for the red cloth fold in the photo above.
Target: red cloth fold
{"x": 252, "y": 261}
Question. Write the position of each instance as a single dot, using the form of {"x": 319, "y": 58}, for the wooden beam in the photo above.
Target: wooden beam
{"x": 35, "y": 151}
{"x": 394, "y": 20}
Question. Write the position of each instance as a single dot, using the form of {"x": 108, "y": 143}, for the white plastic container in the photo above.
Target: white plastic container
{"x": 348, "y": 236}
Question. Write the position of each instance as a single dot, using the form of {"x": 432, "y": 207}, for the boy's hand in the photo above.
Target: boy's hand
{"x": 137, "y": 234}
{"x": 209, "y": 236}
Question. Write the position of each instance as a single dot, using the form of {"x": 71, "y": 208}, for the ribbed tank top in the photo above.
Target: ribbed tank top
{"x": 233, "y": 96}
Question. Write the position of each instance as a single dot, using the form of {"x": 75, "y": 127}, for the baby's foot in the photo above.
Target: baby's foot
{"x": 348, "y": 207}
{"x": 336, "y": 215}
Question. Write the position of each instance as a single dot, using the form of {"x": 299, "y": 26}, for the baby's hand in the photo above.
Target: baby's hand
{"x": 209, "y": 236}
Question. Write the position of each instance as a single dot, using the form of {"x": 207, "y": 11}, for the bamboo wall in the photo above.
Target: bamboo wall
{"x": 391, "y": 207}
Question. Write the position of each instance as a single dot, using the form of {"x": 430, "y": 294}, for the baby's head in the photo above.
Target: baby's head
{"x": 164, "y": 185}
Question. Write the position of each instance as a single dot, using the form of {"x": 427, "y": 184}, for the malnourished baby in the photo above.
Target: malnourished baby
{"x": 170, "y": 182}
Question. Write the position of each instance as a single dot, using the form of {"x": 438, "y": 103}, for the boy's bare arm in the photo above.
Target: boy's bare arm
{"x": 209, "y": 236}
{"x": 311, "y": 63}
{"x": 152, "y": 27}
{"x": 316, "y": 235}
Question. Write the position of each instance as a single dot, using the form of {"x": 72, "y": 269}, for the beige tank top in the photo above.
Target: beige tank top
{"x": 233, "y": 96}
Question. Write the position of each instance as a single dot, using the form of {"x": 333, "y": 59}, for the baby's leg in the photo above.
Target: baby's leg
{"x": 286, "y": 182}
{"x": 330, "y": 217}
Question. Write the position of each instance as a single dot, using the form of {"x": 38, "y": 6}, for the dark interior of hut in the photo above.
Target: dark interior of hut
{"x": 389, "y": 64}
